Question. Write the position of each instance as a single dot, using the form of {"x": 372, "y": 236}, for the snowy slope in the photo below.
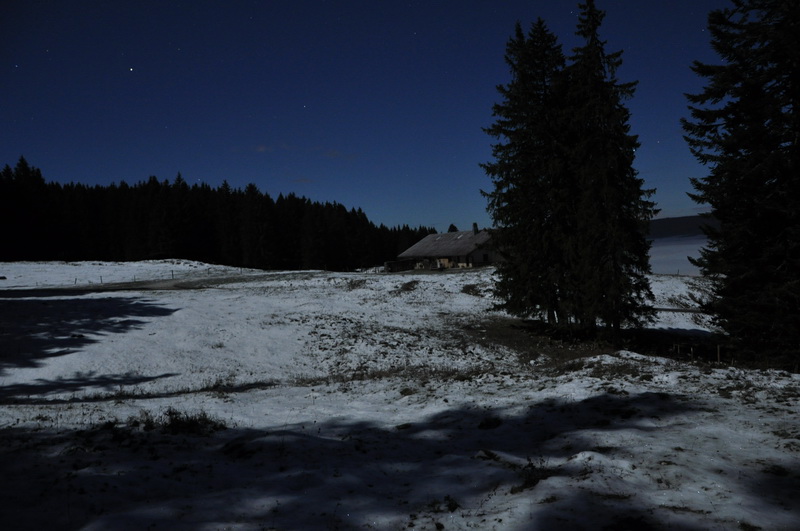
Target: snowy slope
{"x": 362, "y": 401}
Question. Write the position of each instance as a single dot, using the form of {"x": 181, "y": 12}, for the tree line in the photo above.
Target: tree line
{"x": 570, "y": 211}
{"x": 160, "y": 219}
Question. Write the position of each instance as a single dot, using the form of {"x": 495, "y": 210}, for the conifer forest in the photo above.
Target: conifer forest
{"x": 162, "y": 219}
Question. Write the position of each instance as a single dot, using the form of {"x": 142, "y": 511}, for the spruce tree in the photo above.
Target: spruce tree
{"x": 569, "y": 209}
{"x": 608, "y": 254}
{"x": 744, "y": 126}
{"x": 525, "y": 175}
{"x": 26, "y": 212}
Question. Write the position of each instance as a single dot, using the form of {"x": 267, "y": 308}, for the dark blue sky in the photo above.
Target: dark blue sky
{"x": 373, "y": 104}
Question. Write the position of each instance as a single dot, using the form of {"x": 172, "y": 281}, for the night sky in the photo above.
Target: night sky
{"x": 372, "y": 104}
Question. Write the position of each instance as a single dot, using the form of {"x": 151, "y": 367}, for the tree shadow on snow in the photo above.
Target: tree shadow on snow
{"x": 457, "y": 466}
{"x": 36, "y": 393}
{"x": 777, "y": 484}
{"x": 47, "y": 324}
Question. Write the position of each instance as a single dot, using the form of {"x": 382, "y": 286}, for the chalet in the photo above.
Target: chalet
{"x": 448, "y": 250}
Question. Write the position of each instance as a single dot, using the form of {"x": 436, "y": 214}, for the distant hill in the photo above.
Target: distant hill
{"x": 682, "y": 226}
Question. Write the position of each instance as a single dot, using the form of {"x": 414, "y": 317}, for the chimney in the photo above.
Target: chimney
{"x": 475, "y": 228}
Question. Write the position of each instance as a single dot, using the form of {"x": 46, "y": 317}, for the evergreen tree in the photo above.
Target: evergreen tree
{"x": 608, "y": 253}
{"x": 203, "y": 236}
{"x": 227, "y": 224}
{"x": 180, "y": 216}
{"x": 569, "y": 210}
{"x": 26, "y": 212}
{"x": 526, "y": 175}
{"x": 255, "y": 223}
{"x": 744, "y": 126}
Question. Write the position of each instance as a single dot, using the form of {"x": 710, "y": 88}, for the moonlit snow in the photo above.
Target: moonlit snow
{"x": 363, "y": 401}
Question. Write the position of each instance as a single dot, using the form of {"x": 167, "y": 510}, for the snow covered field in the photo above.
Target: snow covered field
{"x": 204, "y": 397}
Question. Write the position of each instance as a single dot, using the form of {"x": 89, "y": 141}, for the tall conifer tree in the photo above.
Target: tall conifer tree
{"x": 569, "y": 210}
{"x": 525, "y": 174}
{"x": 745, "y": 126}
{"x": 609, "y": 252}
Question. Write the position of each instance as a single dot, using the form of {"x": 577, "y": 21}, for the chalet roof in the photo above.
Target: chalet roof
{"x": 447, "y": 244}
